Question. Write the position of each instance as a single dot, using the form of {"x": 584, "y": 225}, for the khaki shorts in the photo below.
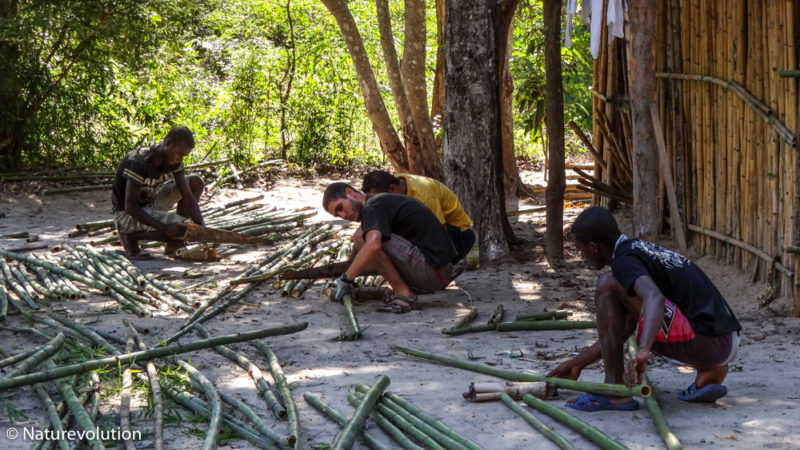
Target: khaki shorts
{"x": 165, "y": 199}
{"x": 413, "y": 267}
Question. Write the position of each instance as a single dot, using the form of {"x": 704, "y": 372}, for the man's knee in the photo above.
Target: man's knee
{"x": 196, "y": 184}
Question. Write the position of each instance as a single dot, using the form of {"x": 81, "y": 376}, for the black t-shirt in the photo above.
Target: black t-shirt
{"x": 411, "y": 219}
{"x": 138, "y": 165}
{"x": 681, "y": 282}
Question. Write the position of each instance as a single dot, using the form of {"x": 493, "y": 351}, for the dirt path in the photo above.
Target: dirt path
{"x": 759, "y": 412}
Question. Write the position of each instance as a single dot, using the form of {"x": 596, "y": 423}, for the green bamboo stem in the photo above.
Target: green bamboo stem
{"x": 134, "y": 307}
{"x": 258, "y": 424}
{"x": 202, "y": 409}
{"x": 158, "y": 352}
{"x": 155, "y": 389}
{"x": 85, "y": 331}
{"x": 401, "y": 423}
{"x": 54, "y": 268}
{"x": 145, "y": 279}
{"x": 355, "y": 425}
{"x": 584, "y": 429}
{"x": 76, "y": 409}
{"x": 497, "y": 317}
{"x": 387, "y": 426}
{"x": 401, "y": 417}
{"x": 18, "y": 235}
{"x": 337, "y": 417}
{"x": 215, "y": 418}
{"x": 26, "y": 285}
{"x": 3, "y": 298}
{"x": 100, "y": 231}
{"x": 37, "y": 358}
{"x": 88, "y": 226}
{"x": 125, "y": 396}
{"x": 394, "y": 399}
{"x": 49, "y": 284}
{"x": 300, "y": 287}
{"x": 288, "y": 287}
{"x": 52, "y": 415}
{"x": 264, "y": 389}
{"x": 548, "y": 315}
{"x": 34, "y": 283}
{"x": 355, "y": 332}
{"x": 536, "y": 423}
{"x": 464, "y": 330}
{"x": 541, "y": 325}
{"x": 283, "y": 388}
{"x": 10, "y": 360}
{"x": 655, "y": 411}
{"x": 583, "y": 386}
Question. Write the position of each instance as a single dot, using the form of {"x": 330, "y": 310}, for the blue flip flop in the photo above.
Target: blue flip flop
{"x": 706, "y": 394}
{"x": 599, "y": 402}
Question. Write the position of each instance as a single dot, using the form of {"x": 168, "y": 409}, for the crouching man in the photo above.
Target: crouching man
{"x": 399, "y": 238}
{"x": 672, "y": 305}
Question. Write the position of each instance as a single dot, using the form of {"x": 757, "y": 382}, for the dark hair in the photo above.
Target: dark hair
{"x": 379, "y": 181}
{"x": 333, "y": 192}
{"x": 180, "y": 135}
{"x": 596, "y": 224}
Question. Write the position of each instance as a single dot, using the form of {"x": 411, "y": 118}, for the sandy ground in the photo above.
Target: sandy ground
{"x": 759, "y": 412}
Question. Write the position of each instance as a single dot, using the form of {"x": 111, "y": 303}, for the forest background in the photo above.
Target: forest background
{"x": 86, "y": 81}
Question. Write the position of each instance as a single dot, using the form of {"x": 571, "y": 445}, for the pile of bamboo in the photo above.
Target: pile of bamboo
{"x": 408, "y": 425}
{"x": 66, "y": 338}
{"x": 246, "y": 216}
{"x": 31, "y": 282}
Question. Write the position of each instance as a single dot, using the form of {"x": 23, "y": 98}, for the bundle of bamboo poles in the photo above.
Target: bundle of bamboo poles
{"x": 29, "y": 282}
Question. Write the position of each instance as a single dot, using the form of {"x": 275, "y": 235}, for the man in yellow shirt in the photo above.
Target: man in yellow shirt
{"x": 436, "y": 196}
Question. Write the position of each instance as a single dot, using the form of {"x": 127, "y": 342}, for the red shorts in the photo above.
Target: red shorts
{"x": 677, "y": 340}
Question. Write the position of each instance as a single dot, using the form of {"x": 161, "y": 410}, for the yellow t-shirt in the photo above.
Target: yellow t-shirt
{"x": 439, "y": 199}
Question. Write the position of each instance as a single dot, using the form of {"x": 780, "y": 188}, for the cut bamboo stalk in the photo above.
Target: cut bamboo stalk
{"x": 536, "y": 423}
{"x": 258, "y": 425}
{"x": 355, "y": 425}
{"x": 90, "y": 334}
{"x": 11, "y": 360}
{"x": 215, "y": 418}
{"x": 261, "y": 383}
{"x": 539, "y": 325}
{"x": 403, "y": 424}
{"x": 15, "y": 286}
{"x": 464, "y": 321}
{"x": 659, "y": 420}
{"x": 497, "y": 317}
{"x": 52, "y": 415}
{"x": 387, "y": 426}
{"x": 158, "y": 352}
{"x": 125, "y": 396}
{"x": 283, "y": 389}
{"x": 547, "y": 315}
{"x": 429, "y": 419}
{"x": 583, "y": 386}
{"x": 354, "y": 332}
{"x": 337, "y": 417}
{"x": 393, "y": 410}
{"x": 36, "y": 358}
{"x": 598, "y": 158}
{"x": 584, "y": 429}
{"x": 538, "y": 389}
{"x": 54, "y": 268}
{"x": 3, "y": 298}
{"x": 155, "y": 390}
{"x": 76, "y": 409}
{"x": 89, "y": 226}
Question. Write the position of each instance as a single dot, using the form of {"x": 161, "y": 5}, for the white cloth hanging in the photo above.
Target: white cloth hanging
{"x": 615, "y": 19}
{"x": 572, "y": 7}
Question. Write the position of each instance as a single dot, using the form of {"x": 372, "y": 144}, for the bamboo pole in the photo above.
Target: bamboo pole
{"x": 52, "y": 415}
{"x": 403, "y": 424}
{"x": 546, "y": 315}
{"x": 125, "y": 396}
{"x": 36, "y": 358}
{"x": 539, "y": 325}
{"x": 76, "y": 409}
{"x": 536, "y": 423}
{"x": 283, "y": 441}
{"x": 584, "y": 429}
{"x": 337, "y": 417}
{"x": 583, "y": 386}
{"x": 393, "y": 410}
{"x": 355, "y": 332}
{"x": 158, "y": 352}
{"x": 394, "y": 399}
{"x": 387, "y": 426}
{"x": 729, "y": 240}
{"x": 261, "y": 383}
{"x": 666, "y": 168}
{"x": 155, "y": 389}
{"x": 464, "y": 321}
{"x": 355, "y": 424}
{"x": 215, "y": 418}
{"x": 283, "y": 389}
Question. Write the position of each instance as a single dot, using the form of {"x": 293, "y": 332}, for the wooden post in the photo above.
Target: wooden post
{"x": 666, "y": 169}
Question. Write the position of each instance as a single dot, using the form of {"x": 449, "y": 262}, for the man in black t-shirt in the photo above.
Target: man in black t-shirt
{"x": 399, "y": 238}
{"x": 674, "y": 307}
{"x": 148, "y": 183}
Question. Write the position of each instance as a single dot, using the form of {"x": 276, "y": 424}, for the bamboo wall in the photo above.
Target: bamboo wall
{"x": 730, "y": 123}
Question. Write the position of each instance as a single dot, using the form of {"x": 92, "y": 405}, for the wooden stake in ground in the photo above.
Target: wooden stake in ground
{"x": 666, "y": 172}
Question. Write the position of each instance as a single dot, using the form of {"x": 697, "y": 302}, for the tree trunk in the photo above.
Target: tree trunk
{"x": 11, "y": 127}
{"x": 643, "y": 93}
{"x": 437, "y": 102}
{"x": 511, "y": 180}
{"x": 376, "y": 110}
{"x": 288, "y": 77}
{"x": 412, "y": 68}
{"x": 392, "y": 62}
{"x": 472, "y": 149}
{"x": 554, "y": 121}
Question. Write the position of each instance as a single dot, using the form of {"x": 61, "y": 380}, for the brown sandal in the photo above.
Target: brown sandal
{"x": 400, "y": 304}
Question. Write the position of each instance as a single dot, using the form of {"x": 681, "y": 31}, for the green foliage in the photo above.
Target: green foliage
{"x": 528, "y": 71}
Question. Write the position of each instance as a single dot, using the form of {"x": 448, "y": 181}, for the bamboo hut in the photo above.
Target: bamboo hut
{"x": 728, "y": 100}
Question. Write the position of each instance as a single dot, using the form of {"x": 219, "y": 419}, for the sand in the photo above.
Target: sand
{"x": 759, "y": 412}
